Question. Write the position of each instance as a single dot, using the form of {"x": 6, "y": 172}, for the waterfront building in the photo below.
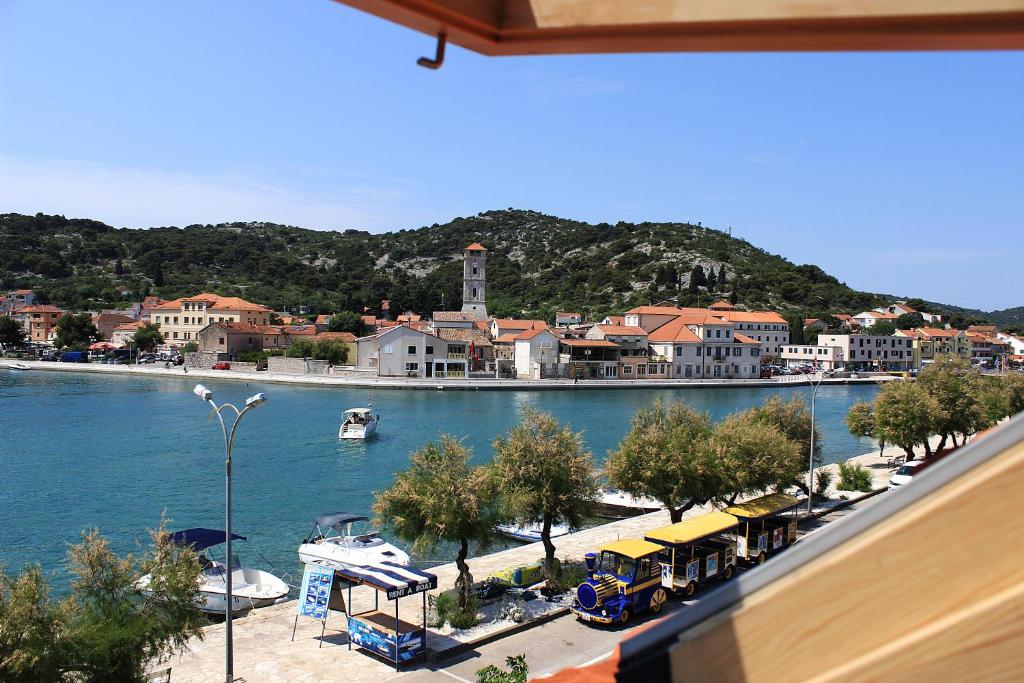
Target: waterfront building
{"x": 767, "y": 328}
{"x": 1016, "y": 343}
{"x": 815, "y": 325}
{"x": 123, "y": 333}
{"x": 474, "y": 281}
{"x": 402, "y": 351}
{"x": 535, "y": 353}
{"x": 502, "y": 326}
{"x": 930, "y": 343}
{"x": 181, "y": 319}
{"x": 703, "y": 347}
{"x": 872, "y": 351}
{"x": 633, "y": 347}
{"x": 106, "y": 323}
{"x": 823, "y": 357}
{"x": 40, "y": 321}
{"x": 479, "y": 348}
{"x": 589, "y": 358}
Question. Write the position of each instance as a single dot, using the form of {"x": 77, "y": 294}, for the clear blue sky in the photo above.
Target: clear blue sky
{"x": 895, "y": 172}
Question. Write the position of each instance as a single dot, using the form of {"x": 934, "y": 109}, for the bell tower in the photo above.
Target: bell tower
{"x": 474, "y": 276}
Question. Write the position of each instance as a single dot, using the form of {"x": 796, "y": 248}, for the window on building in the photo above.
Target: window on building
{"x": 412, "y": 367}
{"x": 727, "y": 334}
{"x": 430, "y": 350}
{"x": 412, "y": 350}
{"x": 641, "y": 370}
{"x": 627, "y": 369}
{"x": 389, "y": 348}
{"x": 474, "y": 292}
{"x": 699, "y": 349}
{"x": 718, "y": 334}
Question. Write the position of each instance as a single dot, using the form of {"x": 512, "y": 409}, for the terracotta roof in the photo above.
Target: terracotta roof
{"x": 408, "y": 318}
{"x": 464, "y": 334}
{"x": 876, "y": 314}
{"x": 369, "y": 319}
{"x": 134, "y": 325}
{"x": 617, "y": 319}
{"x": 622, "y": 329}
{"x": 482, "y": 325}
{"x": 152, "y": 302}
{"x": 476, "y": 246}
{"x": 214, "y": 302}
{"x": 744, "y": 339}
{"x": 300, "y": 330}
{"x": 510, "y": 324}
{"x": 340, "y": 336}
{"x": 23, "y": 291}
{"x": 452, "y": 317}
{"x": 113, "y": 318}
{"x": 655, "y": 310}
{"x": 721, "y": 305}
{"x": 323, "y": 319}
{"x": 810, "y": 321}
{"x": 938, "y": 332}
{"x": 603, "y": 343}
{"x": 906, "y": 308}
{"x": 530, "y": 334}
{"x": 674, "y": 331}
{"x": 842, "y": 316}
{"x": 40, "y": 308}
{"x": 506, "y": 338}
{"x": 737, "y": 316}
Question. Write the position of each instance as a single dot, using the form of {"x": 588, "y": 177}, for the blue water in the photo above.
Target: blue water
{"x": 81, "y": 451}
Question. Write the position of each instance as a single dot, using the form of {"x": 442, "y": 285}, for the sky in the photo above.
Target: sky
{"x": 895, "y": 172}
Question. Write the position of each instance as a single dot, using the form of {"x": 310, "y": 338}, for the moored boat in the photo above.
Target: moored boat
{"x": 18, "y": 367}
{"x": 530, "y": 533}
{"x": 343, "y": 539}
{"x": 616, "y": 504}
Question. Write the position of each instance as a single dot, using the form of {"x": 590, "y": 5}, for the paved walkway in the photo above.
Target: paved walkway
{"x": 158, "y": 370}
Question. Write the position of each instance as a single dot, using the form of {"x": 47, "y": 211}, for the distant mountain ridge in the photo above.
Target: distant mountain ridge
{"x": 537, "y": 264}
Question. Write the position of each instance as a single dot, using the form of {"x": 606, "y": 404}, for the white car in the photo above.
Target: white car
{"x": 905, "y": 474}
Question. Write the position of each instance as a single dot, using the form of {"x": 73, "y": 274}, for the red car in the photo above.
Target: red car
{"x": 222, "y": 365}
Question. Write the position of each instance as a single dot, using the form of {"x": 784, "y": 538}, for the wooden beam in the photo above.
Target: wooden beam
{"x": 519, "y": 27}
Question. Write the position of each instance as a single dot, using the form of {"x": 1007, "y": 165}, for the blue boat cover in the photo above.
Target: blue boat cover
{"x": 394, "y": 579}
{"x": 336, "y": 519}
{"x": 200, "y": 538}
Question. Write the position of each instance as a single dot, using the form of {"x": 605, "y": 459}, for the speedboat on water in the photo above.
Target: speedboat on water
{"x": 616, "y": 504}
{"x": 530, "y": 533}
{"x": 19, "y": 367}
{"x": 358, "y": 423}
{"x": 250, "y": 588}
{"x": 342, "y": 539}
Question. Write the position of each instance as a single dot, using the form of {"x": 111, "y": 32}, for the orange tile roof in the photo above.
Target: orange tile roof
{"x": 322, "y": 319}
{"x": 214, "y": 302}
{"x": 721, "y": 305}
{"x": 530, "y": 334}
{"x": 674, "y": 331}
{"x": 511, "y": 324}
{"x": 135, "y": 325}
{"x": 507, "y": 338}
{"x": 369, "y": 319}
{"x": 482, "y": 325}
{"x": 655, "y": 310}
{"x": 563, "y": 314}
{"x": 40, "y": 308}
{"x": 617, "y": 319}
{"x": 476, "y": 246}
{"x": 340, "y": 336}
{"x": 938, "y": 332}
{"x": 744, "y": 339}
{"x": 622, "y": 329}
{"x": 842, "y": 316}
{"x": 881, "y": 316}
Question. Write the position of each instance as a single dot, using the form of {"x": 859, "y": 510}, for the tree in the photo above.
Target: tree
{"x": 909, "y": 321}
{"x": 697, "y": 278}
{"x": 712, "y": 279}
{"x": 956, "y": 386}
{"x": 330, "y": 350}
{"x": 148, "y": 337}
{"x": 440, "y": 498}
{"x": 796, "y": 329}
{"x": 11, "y": 332}
{"x": 346, "y": 321}
{"x": 883, "y": 327}
{"x": 793, "y": 419}
{"x": 543, "y": 474}
{"x": 661, "y": 458}
{"x": 158, "y": 275}
{"x": 275, "y": 319}
{"x": 109, "y": 628}
{"x": 517, "y": 671}
{"x": 190, "y": 347}
{"x": 860, "y": 419}
{"x": 906, "y": 415}
{"x": 118, "y": 268}
{"x": 75, "y": 330}
{"x": 754, "y": 455}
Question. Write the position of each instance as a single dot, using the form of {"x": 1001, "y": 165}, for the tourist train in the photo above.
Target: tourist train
{"x": 632, "y": 575}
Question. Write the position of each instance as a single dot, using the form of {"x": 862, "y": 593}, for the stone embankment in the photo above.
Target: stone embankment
{"x": 353, "y": 378}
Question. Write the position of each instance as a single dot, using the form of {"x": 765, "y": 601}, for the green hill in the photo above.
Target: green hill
{"x": 537, "y": 264}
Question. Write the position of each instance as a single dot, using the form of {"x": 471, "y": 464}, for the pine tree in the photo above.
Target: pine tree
{"x": 712, "y": 279}
{"x": 158, "y": 276}
{"x": 697, "y": 279}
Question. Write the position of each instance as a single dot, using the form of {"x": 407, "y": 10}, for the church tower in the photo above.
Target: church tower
{"x": 474, "y": 275}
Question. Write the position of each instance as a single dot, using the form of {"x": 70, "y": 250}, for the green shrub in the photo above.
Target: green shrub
{"x": 517, "y": 671}
{"x": 822, "y": 480}
{"x": 572, "y": 574}
{"x": 446, "y": 611}
{"x": 463, "y": 619}
{"x": 251, "y": 356}
{"x": 853, "y": 477}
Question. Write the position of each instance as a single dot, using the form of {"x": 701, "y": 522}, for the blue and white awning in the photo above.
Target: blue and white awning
{"x": 394, "y": 579}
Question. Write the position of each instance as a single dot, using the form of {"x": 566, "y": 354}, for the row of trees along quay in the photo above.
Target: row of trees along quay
{"x": 950, "y": 400}
{"x": 541, "y": 472}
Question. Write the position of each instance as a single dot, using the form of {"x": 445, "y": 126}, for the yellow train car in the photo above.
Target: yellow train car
{"x": 766, "y": 525}
{"x": 696, "y": 551}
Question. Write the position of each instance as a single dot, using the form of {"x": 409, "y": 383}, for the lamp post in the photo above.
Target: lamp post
{"x": 810, "y": 457}
{"x": 229, "y": 442}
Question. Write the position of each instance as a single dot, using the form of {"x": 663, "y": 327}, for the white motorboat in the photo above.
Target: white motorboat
{"x": 19, "y": 367}
{"x": 358, "y": 423}
{"x": 341, "y": 539}
{"x": 530, "y": 533}
{"x": 616, "y": 504}
{"x": 250, "y": 588}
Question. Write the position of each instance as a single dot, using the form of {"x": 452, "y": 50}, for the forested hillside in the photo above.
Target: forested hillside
{"x": 537, "y": 264}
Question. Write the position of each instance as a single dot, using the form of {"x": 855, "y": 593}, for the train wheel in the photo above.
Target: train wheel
{"x": 624, "y": 615}
{"x": 658, "y": 599}
{"x": 691, "y": 588}
{"x": 761, "y": 558}
{"x": 727, "y": 574}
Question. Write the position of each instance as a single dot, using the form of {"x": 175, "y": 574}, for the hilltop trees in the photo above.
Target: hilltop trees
{"x": 440, "y": 497}
{"x": 108, "y": 629}
{"x": 543, "y": 474}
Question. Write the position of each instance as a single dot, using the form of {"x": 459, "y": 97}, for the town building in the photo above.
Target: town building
{"x": 633, "y": 347}
{"x": 106, "y": 323}
{"x": 402, "y": 351}
{"x": 502, "y": 326}
{"x": 822, "y": 357}
{"x": 16, "y": 299}
{"x": 230, "y": 338}
{"x": 1016, "y": 343}
{"x": 536, "y": 354}
{"x": 871, "y": 351}
{"x": 930, "y": 343}
{"x": 479, "y": 349}
{"x": 563, "y": 319}
{"x": 323, "y": 321}
{"x": 39, "y": 320}
{"x": 815, "y": 325}
{"x": 767, "y": 328}
{"x": 181, "y": 320}
{"x": 703, "y": 347}
{"x": 123, "y": 334}
{"x": 452, "y": 319}
{"x": 867, "y": 319}
{"x": 589, "y": 358}
{"x": 474, "y": 281}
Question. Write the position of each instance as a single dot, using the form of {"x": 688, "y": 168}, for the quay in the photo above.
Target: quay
{"x": 265, "y": 653}
{"x": 471, "y": 384}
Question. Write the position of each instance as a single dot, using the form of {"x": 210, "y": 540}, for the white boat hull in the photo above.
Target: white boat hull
{"x": 530, "y": 534}
{"x": 17, "y": 367}
{"x": 250, "y": 589}
{"x": 339, "y": 557}
{"x": 357, "y": 431}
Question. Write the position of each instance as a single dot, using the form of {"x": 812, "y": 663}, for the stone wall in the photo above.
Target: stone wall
{"x": 352, "y": 371}
{"x": 296, "y": 366}
{"x": 244, "y": 367}
{"x": 200, "y": 359}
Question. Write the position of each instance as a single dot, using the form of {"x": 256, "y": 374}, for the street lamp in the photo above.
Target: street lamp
{"x": 229, "y": 441}
{"x": 810, "y": 457}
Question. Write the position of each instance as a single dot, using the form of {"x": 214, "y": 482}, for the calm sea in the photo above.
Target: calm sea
{"x": 82, "y": 451}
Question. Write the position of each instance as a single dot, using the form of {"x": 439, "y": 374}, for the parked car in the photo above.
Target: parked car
{"x": 222, "y": 365}
{"x": 178, "y": 360}
{"x": 905, "y": 474}
{"x": 75, "y": 357}
{"x": 147, "y": 358}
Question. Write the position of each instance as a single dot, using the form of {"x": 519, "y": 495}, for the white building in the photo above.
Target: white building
{"x": 824, "y": 357}
{"x": 536, "y": 351}
{"x": 704, "y": 347}
{"x": 871, "y": 351}
{"x": 868, "y": 318}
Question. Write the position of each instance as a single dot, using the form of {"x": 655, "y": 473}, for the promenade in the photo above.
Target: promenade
{"x": 265, "y": 653}
{"x": 473, "y": 384}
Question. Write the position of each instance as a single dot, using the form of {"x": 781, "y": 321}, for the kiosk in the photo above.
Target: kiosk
{"x": 764, "y": 525}
{"x": 383, "y": 633}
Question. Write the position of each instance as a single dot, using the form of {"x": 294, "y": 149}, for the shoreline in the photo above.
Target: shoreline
{"x": 335, "y": 381}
